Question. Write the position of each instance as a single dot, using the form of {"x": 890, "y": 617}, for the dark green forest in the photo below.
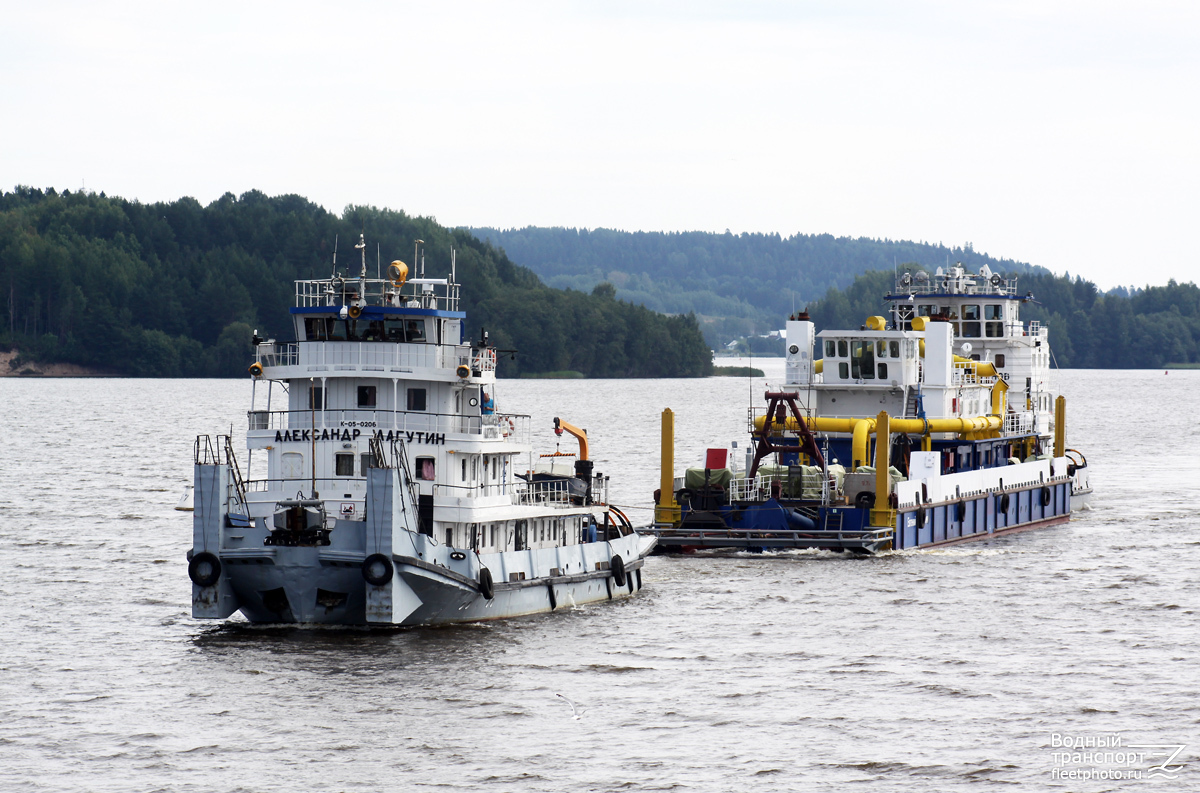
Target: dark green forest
{"x": 1143, "y": 329}
{"x": 738, "y": 284}
{"x": 176, "y": 289}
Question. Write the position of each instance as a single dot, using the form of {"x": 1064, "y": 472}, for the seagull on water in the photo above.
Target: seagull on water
{"x": 576, "y": 711}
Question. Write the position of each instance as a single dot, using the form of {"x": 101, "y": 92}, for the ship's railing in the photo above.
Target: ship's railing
{"x": 964, "y": 284}
{"x": 965, "y": 376}
{"x": 206, "y": 451}
{"x": 415, "y": 293}
{"x": 514, "y": 426}
{"x": 298, "y": 485}
{"x": 378, "y": 356}
{"x": 810, "y": 485}
{"x": 551, "y": 493}
{"x": 1019, "y": 423}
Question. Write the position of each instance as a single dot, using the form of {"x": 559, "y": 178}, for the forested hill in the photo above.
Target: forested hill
{"x": 175, "y": 289}
{"x": 1149, "y": 328}
{"x": 738, "y": 283}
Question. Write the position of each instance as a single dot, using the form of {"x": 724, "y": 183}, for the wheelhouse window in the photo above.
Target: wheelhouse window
{"x": 993, "y": 312}
{"x": 414, "y": 330}
{"x": 971, "y": 330}
{"x": 970, "y": 312}
{"x": 366, "y": 396}
{"x": 927, "y": 311}
{"x": 344, "y": 464}
{"x": 830, "y": 348}
{"x": 316, "y": 398}
{"x": 425, "y": 470}
{"x": 416, "y": 399}
{"x": 843, "y": 349}
{"x": 883, "y": 375}
{"x": 844, "y": 370}
{"x": 314, "y": 329}
{"x": 894, "y": 348}
{"x": 862, "y": 360}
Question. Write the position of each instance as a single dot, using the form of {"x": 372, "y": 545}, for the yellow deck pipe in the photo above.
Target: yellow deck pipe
{"x": 860, "y": 429}
{"x": 667, "y": 510}
{"x": 882, "y": 513}
{"x": 1060, "y": 426}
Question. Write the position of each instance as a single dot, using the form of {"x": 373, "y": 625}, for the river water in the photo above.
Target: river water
{"x": 950, "y": 669}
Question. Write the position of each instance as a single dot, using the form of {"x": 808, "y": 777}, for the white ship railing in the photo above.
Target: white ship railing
{"x": 814, "y": 486}
{"x": 380, "y": 356}
{"x": 417, "y": 292}
{"x": 514, "y": 426}
{"x": 552, "y": 492}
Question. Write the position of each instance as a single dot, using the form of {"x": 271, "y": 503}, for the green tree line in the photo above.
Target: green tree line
{"x": 738, "y": 284}
{"x": 1143, "y": 329}
{"x": 176, "y": 289}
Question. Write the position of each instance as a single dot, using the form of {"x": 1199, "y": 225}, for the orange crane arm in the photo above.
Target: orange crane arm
{"x": 560, "y": 425}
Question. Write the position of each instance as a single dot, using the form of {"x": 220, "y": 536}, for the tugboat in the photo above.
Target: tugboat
{"x": 392, "y": 494}
{"x": 936, "y": 425}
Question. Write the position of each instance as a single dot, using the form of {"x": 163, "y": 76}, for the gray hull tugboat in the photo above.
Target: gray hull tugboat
{"x": 394, "y": 493}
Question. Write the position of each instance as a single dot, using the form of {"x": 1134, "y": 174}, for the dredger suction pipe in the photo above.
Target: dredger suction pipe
{"x": 861, "y": 429}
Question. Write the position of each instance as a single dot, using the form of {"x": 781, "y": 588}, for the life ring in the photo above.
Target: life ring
{"x": 204, "y": 569}
{"x": 486, "y": 587}
{"x": 256, "y": 369}
{"x": 617, "y": 565}
{"x": 1045, "y": 496}
{"x": 1004, "y": 502}
{"x": 488, "y": 356}
{"x": 377, "y": 569}
{"x": 355, "y": 312}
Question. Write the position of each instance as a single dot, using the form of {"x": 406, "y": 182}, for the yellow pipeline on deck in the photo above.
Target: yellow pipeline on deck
{"x": 861, "y": 429}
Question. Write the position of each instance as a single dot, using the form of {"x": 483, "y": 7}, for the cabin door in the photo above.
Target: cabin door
{"x": 293, "y": 465}
{"x": 520, "y": 539}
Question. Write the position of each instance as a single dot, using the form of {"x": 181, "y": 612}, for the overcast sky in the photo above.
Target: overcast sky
{"x": 1064, "y": 134}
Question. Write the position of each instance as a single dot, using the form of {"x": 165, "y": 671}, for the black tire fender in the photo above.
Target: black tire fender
{"x": 204, "y": 569}
{"x": 1004, "y": 502}
{"x": 487, "y": 587}
{"x": 377, "y": 569}
{"x": 920, "y": 517}
{"x": 960, "y": 512}
{"x": 617, "y": 565}
{"x": 1045, "y": 496}
{"x": 865, "y": 500}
